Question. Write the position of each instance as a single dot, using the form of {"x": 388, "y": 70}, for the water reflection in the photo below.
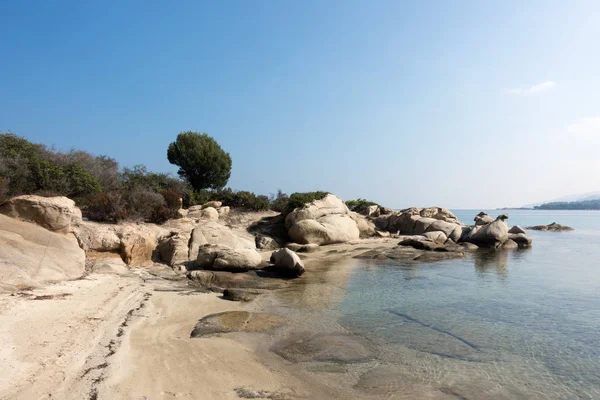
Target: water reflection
{"x": 491, "y": 260}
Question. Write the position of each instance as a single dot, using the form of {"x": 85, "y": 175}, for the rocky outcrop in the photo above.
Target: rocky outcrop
{"x": 483, "y": 219}
{"x": 215, "y": 233}
{"x": 93, "y": 236}
{"x": 521, "y": 239}
{"x": 324, "y": 221}
{"x": 417, "y": 221}
{"x": 516, "y": 229}
{"x": 221, "y": 258}
{"x": 31, "y": 255}
{"x": 139, "y": 241}
{"x": 57, "y": 214}
{"x": 491, "y": 235}
{"x": 553, "y": 227}
{"x": 366, "y": 227}
{"x": 287, "y": 262}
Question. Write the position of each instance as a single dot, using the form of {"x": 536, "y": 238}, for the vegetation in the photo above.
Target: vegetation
{"x": 300, "y": 199}
{"x": 104, "y": 192}
{"x": 95, "y": 183}
{"x": 201, "y": 161}
{"x": 359, "y": 204}
{"x": 571, "y": 205}
{"x": 235, "y": 199}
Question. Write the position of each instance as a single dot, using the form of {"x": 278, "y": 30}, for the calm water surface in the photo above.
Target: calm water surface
{"x": 500, "y": 325}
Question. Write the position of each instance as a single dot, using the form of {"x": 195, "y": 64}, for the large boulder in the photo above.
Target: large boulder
{"x": 222, "y": 258}
{"x": 490, "y": 235}
{"x": 521, "y": 239}
{"x": 139, "y": 241}
{"x": 450, "y": 229}
{"x": 215, "y": 233}
{"x": 58, "y": 214}
{"x": 324, "y": 221}
{"x": 175, "y": 249}
{"x": 366, "y": 228}
{"x": 516, "y": 229}
{"x": 209, "y": 213}
{"x": 31, "y": 255}
{"x": 287, "y": 262}
{"x": 93, "y": 236}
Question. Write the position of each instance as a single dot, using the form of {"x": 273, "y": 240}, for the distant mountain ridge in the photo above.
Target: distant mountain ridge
{"x": 568, "y": 199}
{"x": 570, "y": 205}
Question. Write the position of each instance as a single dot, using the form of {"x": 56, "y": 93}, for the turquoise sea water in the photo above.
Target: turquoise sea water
{"x": 499, "y": 325}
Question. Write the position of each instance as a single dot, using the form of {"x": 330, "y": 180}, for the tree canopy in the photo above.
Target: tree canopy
{"x": 201, "y": 160}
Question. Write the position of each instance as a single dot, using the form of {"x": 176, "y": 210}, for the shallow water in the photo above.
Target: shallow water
{"x": 499, "y": 325}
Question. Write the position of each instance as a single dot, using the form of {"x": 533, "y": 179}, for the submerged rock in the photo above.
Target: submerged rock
{"x": 240, "y": 294}
{"x": 408, "y": 253}
{"x": 235, "y": 321}
{"x": 334, "y": 347}
{"x": 553, "y": 227}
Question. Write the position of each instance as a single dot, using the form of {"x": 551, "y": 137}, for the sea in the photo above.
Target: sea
{"x": 501, "y": 324}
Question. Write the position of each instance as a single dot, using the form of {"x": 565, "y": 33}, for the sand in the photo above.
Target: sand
{"x": 110, "y": 336}
{"x": 116, "y": 337}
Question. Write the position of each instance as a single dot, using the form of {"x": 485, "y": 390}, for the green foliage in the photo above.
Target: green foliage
{"x": 571, "y": 205}
{"x": 300, "y": 199}
{"x": 95, "y": 183}
{"x": 359, "y": 204}
{"x": 201, "y": 161}
{"x": 240, "y": 199}
{"x": 280, "y": 201}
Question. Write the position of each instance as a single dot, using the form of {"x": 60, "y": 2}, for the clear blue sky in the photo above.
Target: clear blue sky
{"x": 452, "y": 103}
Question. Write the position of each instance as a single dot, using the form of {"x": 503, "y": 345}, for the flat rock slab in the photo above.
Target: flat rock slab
{"x": 336, "y": 347}
{"x": 405, "y": 253}
{"x": 553, "y": 227}
{"x": 241, "y": 294}
{"x": 235, "y": 321}
{"x": 241, "y": 280}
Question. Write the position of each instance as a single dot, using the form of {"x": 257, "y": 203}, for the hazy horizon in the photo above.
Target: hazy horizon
{"x": 458, "y": 104}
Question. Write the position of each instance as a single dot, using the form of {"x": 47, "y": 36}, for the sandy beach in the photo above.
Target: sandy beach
{"x": 109, "y": 336}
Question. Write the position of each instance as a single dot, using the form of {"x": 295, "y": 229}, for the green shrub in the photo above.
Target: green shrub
{"x": 359, "y": 204}
{"x": 280, "y": 201}
{"x": 241, "y": 199}
{"x": 300, "y": 199}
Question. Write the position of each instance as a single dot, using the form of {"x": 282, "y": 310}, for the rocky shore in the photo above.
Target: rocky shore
{"x": 120, "y": 298}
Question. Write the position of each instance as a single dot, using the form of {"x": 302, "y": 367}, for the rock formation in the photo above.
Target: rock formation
{"x": 57, "y": 214}
{"x": 324, "y": 221}
{"x": 31, "y": 255}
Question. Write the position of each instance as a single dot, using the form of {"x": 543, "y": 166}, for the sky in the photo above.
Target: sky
{"x": 460, "y": 104}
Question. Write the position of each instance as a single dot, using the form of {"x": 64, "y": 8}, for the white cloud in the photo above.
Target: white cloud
{"x": 533, "y": 90}
{"x": 585, "y": 127}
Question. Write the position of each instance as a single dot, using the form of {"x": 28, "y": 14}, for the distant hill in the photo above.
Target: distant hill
{"x": 568, "y": 199}
{"x": 571, "y": 205}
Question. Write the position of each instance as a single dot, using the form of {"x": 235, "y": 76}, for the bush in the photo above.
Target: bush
{"x": 300, "y": 199}
{"x": 105, "y": 206}
{"x": 280, "y": 201}
{"x": 359, "y": 204}
{"x": 241, "y": 199}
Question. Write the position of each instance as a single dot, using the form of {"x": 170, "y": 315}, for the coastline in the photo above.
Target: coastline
{"x": 128, "y": 336}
